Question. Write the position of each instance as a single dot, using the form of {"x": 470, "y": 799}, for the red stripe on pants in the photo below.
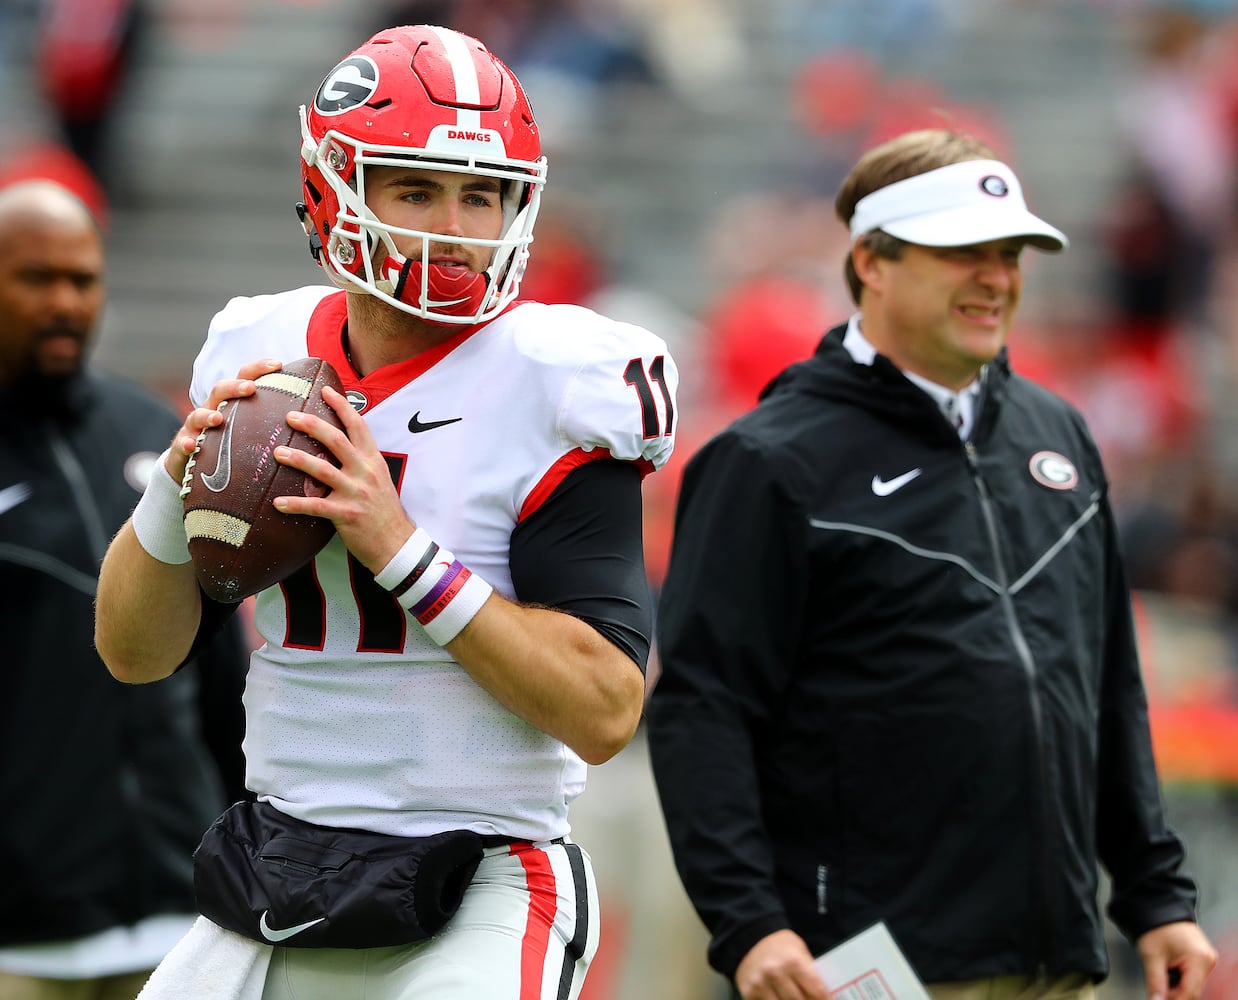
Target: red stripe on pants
{"x": 543, "y": 904}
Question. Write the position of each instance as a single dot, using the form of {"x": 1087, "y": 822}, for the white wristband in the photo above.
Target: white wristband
{"x": 159, "y": 518}
{"x": 447, "y": 617}
{"x": 431, "y": 584}
{"x": 408, "y": 566}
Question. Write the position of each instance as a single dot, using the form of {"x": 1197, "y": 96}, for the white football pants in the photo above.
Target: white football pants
{"x": 527, "y": 930}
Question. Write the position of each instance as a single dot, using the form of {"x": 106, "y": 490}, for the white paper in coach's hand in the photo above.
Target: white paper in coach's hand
{"x": 869, "y": 966}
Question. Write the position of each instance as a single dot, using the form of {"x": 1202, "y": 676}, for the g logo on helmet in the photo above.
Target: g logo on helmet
{"x": 1053, "y": 470}
{"x": 348, "y": 86}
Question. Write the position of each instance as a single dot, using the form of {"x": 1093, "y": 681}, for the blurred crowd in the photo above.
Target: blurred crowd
{"x": 1150, "y": 355}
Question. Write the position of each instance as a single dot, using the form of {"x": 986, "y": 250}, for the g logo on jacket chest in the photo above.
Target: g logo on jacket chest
{"x": 1053, "y": 470}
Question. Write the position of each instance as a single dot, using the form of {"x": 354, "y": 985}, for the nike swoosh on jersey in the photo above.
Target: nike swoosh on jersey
{"x": 416, "y": 425}
{"x": 271, "y": 934}
{"x": 218, "y": 480}
{"x": 11, "y": 496}
{"x": 884, "y": 487}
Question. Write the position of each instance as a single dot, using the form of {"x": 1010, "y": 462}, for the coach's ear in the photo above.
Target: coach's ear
{"x": 869, "y": 266}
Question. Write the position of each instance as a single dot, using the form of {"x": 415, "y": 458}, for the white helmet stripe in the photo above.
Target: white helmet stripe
{"x": 468, "y": 89}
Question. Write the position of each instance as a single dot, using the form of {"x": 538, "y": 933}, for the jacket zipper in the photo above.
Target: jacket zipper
{"x": 1028, "y": 662}
{"x": 91, "y": 519}
{"x": 80, "y": 490}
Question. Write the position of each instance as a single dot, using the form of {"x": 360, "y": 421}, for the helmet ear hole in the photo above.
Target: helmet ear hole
{"x": 313, "y": 197}
{"x": 307, "y": 223}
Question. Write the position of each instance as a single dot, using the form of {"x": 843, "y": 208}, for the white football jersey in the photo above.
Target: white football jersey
{"x": 354, "y": 717}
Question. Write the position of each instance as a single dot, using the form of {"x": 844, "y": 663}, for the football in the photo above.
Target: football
{"x": 240, "y": 544}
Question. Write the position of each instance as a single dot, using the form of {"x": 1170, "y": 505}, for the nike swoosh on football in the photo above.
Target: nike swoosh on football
{"x": 11, "y": 496}
{"x": 416, "y": 425}
{"x": 884, "y": 487}
{"x": 217, "y": 481}
{"x": 283, "y": 935}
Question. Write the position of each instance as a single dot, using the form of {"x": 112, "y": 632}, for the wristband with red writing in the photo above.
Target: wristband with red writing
{"x": 434, "y": 586}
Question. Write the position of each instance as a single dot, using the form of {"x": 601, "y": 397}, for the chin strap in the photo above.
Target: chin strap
{"x": 454, "y": 291}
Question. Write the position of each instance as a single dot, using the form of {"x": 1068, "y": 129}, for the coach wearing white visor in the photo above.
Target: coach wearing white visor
{"x": 945, "y": 244}
{"x": 907, "y": 690}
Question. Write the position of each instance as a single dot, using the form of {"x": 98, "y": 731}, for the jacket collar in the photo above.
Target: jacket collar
{"x": 63, "y": 400}
{"x": 832, "y": 373}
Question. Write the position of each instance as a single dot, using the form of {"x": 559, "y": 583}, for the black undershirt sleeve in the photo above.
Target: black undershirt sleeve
{"x": 582, "y": 552}
{"x": 214, "y": 617}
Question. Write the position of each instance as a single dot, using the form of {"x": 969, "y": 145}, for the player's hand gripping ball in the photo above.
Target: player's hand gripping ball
{"x": 239, "y": 542}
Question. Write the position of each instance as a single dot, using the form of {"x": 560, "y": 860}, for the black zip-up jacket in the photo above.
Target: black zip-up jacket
{"x": 899, "y": 682}
{"x": 105, "y": 788}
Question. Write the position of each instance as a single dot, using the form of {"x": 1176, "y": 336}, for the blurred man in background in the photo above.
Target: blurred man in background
{"x": 104, "y": 787}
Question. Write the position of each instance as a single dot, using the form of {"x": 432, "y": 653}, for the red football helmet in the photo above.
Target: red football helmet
{"x": 423, "y": 94}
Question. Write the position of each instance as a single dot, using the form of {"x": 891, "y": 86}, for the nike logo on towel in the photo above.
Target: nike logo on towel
{"x": 416, "y": 425}
{"x": 277, "y": 936}
{"x": 217, "y": 481}
{"x": 884, "y": 487}
{"x": 11, "y": 496}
